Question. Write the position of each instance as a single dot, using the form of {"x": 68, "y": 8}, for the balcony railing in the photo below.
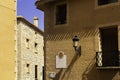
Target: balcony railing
{"x": 99, "y": 62}
{"x": 108, "y": 60}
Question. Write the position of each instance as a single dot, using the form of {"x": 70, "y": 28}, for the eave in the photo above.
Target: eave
{"x": 40, "y": 4}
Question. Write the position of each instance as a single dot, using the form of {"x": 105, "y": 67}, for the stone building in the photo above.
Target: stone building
{"x": 7, "y": 39}
{"x": 30, "y": 52}
{"x": 97, "y": 25}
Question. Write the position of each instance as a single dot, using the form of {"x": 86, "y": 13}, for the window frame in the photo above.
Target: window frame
{"x": 36, "y": 35}
{"x": 106, "y": 3}
{"x": 58, "y": 14}
{"x": 67, "y": 13}
{"x": 28, "y": 68}
{"x": 36, "y": 47}
{"x": 27, "y": 43}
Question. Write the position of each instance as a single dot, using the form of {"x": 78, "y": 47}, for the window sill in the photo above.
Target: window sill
{"x": 61, "y": 25}
{"x": 116, "y": 67}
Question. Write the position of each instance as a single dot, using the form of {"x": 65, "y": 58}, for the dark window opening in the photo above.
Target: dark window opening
{"x": 28, "y": 68}
{"x": 27, "y": 65}
{"x": 35, "y": 34}
{"x": 27, "y": 40}
{"x": 27, "y": 43}
{"x": 36, "y": 45}
{"x": 61, "y": 11}
{"x": 109, "y": 43}
{"x": 102, "y": 2}
{"x": 36, "y": 73}
{"x": 36, "y": 48}
{"x": 43, "y": 73}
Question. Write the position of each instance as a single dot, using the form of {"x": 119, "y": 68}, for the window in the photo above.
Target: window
{"x": 109, "y": 57}
{"x": 27, "y": 43}
{"x": 36, "y": 48}
{"x": 61, "y": 13}
{"x": 27, "y": 68}
{"x": 36, "y": 73}
{"x": 103, "y": 2}
{"x": 35, "y": 34}
{"x": 43, "y": 72}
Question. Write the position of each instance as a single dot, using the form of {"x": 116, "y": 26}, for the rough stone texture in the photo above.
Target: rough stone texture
{"x": 28, "y": 56}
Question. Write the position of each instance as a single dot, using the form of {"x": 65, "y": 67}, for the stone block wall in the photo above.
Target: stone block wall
{"x": 28, "y": 55}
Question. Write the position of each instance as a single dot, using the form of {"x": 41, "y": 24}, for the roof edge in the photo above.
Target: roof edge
{"x": 21, "y": 18}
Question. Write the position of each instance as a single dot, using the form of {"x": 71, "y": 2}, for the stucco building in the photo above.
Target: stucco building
{"x": 97, "y": 25}
{"x": 30, "y": 52}
{"x": 7, "y": 39}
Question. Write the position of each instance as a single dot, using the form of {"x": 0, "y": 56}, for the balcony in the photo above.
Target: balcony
{"x": 40, "y": 4}
{"x": 44, "y": 1}
{"x": 111, "y": 60}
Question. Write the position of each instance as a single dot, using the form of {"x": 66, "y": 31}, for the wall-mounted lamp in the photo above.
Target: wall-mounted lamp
{"x": 75, "y": 45}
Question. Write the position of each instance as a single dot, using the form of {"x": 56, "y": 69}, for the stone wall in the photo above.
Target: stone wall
{"x": 28, "y": 56}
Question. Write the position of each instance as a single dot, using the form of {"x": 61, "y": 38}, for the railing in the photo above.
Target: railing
{"x": 108, "y": 59}
{"x": 99, "y": 62}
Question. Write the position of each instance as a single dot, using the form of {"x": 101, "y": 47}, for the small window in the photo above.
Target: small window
{"x": 103, "y": 2}
{"x": 36, "y": 72}
{"x": 61, "y": 13}
{"x": 27, "y": 43}
{"x": 43, "y": 70}
{"x": 27, "y": 68}
{"x": 36, "y": 47}
{"x": 43, "y": 49}
{"x": 35, "y": 34}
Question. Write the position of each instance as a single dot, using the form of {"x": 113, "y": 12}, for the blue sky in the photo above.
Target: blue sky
{"x": 27, "y": 9}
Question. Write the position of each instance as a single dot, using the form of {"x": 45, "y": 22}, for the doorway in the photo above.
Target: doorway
{"x": 109, "y": 43}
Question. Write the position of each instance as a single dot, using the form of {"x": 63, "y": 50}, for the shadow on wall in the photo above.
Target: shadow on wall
{"x": 67, "y": 71}
{"x": 91, "y": 73}
{"x": 69, "y": 35}
{"x": 57, "y": 77}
